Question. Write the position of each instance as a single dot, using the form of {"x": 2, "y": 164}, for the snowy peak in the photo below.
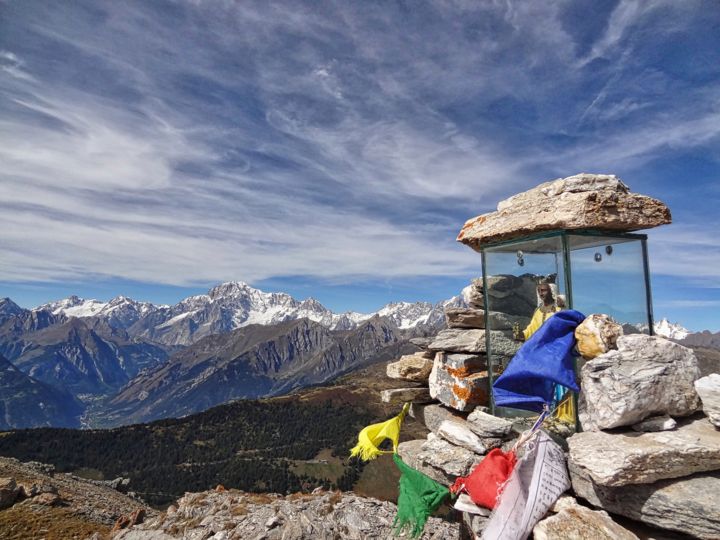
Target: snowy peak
{"x": 670, "y": 330}
{"x": 74, "y": 306}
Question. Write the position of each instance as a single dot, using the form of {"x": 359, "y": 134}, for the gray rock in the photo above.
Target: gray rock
{"x": 411, "y": 367}
{"x": 583, "y": 201}
{"x": 646, "y": 376}
{"x": 688, "y": 505}
{"x": 655, "y": 423}
{"x": 708, "y": 388}
{"x": 473, "y": 294}
{"x": 421, "y": 342}
{"x": 498, "y": 320}
{"x": 573, "y": 521}
{"x": 512, "y": 295}
{"x": 8, "y": 492}
{"x": 398, "y": 396}
{"x": 452, "y": 460}
{"x": 489, "y": 426}
{"x": 410, "y": 452}
{"x": 619, "y": 459}
{"x": 453, "y": 427}
{"x": 459, "y": 340}
{"x": 458, "y": 317}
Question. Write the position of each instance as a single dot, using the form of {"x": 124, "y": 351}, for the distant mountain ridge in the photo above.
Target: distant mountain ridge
{"x": 233, "y": 305}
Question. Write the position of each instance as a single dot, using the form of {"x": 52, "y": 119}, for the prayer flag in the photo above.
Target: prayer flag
{"x": 419, "y": 497}
{"x": 485, "y": 481}
{"x": 371, "y": 436}
{"x": 544, "y": 360}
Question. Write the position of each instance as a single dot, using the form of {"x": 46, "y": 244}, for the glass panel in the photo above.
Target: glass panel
{"x": 608, "y": 276}
{"x": 512, "y": 274}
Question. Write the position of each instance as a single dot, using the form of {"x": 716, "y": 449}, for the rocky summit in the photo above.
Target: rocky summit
{"x": 232, "y": 515}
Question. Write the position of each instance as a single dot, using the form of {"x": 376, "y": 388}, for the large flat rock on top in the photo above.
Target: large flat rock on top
{"x": 459, "y": 340}
{"x": 689, "y": 505}
{"x": 646, "y": 376}
{"x": 583, "y": 201}
{"x": 619, "y": 459}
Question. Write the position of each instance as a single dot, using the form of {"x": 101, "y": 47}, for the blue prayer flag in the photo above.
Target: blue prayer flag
{"x": 544, "y": 360}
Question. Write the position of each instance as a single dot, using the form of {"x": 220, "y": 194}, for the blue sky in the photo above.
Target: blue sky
{"x": 334, "y": 149}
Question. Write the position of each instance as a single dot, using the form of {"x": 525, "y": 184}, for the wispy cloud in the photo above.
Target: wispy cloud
{"x": 204, "y": 141}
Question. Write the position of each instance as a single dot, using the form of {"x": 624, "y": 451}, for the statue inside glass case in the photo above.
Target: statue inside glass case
{"x": 549, "y": 303}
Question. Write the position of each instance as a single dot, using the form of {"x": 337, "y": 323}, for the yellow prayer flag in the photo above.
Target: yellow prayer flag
{"x": 371, "y": 436}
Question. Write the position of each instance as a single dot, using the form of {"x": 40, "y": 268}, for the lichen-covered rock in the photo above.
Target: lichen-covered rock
{"x": 646, "y": 376}
{"x": 689, "y": 505}
{"x": 459, "y": 391}
{"x": 573, "y": 521}
{"x": 596, "y": 335}
{"x": 582, "y": 201}
{"x": 459, "y": 317}
{"x": 619, "y": 459}
{"x": 708, "y": 388}
{"x": 411, "y": 367}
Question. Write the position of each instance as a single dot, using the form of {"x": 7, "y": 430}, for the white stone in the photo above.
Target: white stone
{"x": 577, "y": 522}
{"x": 619, "y": 459}
{"x": 709, "y": 390}
{"x": 646, "y": 376}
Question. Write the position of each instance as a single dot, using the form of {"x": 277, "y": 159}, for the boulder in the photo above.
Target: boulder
{"x": 596, "y": 335}
{"x": 459, "y": 317}
{"x": 453, "y": 460}
{"x": 411, "y": 367}
{"x": 688, "y": 505}
{"x": 575, "y": 521}
{"x": 619, "y": 459}
{"x": 398, "y": 396}
{"x": 582, "y": 201}
{"x": 421, "y": 342}
{"x": 461, "y": 392}
{"x": 646, "y": 376}
{"x": 9, "y": 491}
{"x": 655, "y": 423}
{"x": 489, "y": 426}
{"x": 708, "y": 388}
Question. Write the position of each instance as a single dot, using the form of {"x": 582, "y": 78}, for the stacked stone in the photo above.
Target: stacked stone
{"x": 648, "y": 452}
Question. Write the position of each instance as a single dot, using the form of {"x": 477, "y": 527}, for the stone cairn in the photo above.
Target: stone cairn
{"x": 649, "y": 448}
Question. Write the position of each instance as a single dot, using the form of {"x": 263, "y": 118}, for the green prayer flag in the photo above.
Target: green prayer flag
{"x": 419, "y": 497}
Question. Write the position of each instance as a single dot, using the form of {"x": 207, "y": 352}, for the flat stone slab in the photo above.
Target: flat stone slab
{"x": 708, "y": 388}
{"x": 582, "y": 201}
{"x": 689, "y": 505}
{"x": 462, "y": 393}
{"x": 459, "y": 340}
{"x": 619, "y": 459}
{"x": 489, "y": 426}
{"x": 646, "y": 376}
{"x": 411, "y": 367}
{"x": 410, "y": 452}
{"x": 464, "y": 317}
{"x": 452, "y": 460}
{"x": 398, "y": 396}
{"x": 575, "y": 521}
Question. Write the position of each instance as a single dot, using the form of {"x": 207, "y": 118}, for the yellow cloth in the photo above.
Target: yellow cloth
{"x": 566, "y": 411}
{"x": 371, "y": 436}
{"x": 538, "y": 318}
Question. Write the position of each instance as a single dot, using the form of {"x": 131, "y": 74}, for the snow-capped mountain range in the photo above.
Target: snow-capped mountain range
{"x": 669, "y": 330}
{"x": 233, "y": 305}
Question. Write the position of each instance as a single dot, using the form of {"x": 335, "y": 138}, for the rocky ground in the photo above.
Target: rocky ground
{"x": 37, "y": 502}
{"x": 234, "y": 515}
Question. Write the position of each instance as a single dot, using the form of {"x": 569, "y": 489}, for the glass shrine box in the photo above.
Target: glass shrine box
{"x": 589, "y": 271}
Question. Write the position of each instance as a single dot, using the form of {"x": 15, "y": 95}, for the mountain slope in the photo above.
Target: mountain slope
{"x": 25, "y": 402}
{"x": 251, "y": 362}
